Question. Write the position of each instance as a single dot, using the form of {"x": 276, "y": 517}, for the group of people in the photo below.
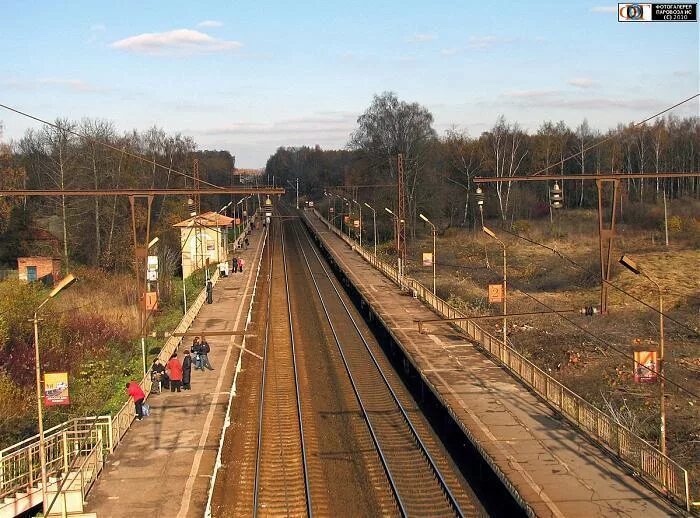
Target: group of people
{"x": 174, "y": 374}
{"x": 238, "y": 264}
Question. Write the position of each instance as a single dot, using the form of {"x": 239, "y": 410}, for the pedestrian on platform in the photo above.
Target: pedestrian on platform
{"x": 197, "y": 351}
{"x": 157, "y": 371}
{"x": 240, "y": 265}
{"x": 205, "y": 355}
{"x": 174, "y": 370}
{"x": 134, "y": 390}
{"x": 247, "y": 243}
{"x": 186, "y": 371}
{"x": 235, "y": 264}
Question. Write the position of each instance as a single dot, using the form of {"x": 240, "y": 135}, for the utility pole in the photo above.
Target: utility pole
{"x": 297, "y": 193}
{"x": 401, "y": 215}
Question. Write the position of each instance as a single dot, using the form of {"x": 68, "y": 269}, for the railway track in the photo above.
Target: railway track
{"x": 422, "y": 480}
{"x": 281, "y": 475}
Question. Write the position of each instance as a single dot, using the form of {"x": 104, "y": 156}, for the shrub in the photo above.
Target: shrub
{"x": 521, "y": 226}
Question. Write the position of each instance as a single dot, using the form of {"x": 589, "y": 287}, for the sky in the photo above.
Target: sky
{"x": 249, "y": 77}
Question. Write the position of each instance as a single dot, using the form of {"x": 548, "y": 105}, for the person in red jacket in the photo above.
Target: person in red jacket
{"x": 174, "y": 367}
{"x": 134, "y": 390}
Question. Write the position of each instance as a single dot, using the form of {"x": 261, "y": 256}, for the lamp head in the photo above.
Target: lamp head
{"x": 489, "y": 232}
{"x": 389, "y": 211}
{"x": 153, "y": 242}
{"x": 421, "y": 216}
{"x": 67, "y": 281}
{"x": 628, "y": 263}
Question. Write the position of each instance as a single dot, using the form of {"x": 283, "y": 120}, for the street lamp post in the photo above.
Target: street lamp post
{"x": 67, "y": 281}
{"x": 434, "y": 232}
{"x": 148, "y": 284}
{"x": 374, "y": 224}
{"x": 490, "y": 233}
{"x": 297, "y": 193}
{"x": 347, "y": 204}
{"x": 360, "y": 227}
{"x": 399, "y": 266}
{"x": 628, "y": 263}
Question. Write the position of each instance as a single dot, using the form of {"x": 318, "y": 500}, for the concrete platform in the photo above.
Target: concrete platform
{"x": 164, "y": 465}
{"x": 550, "y": 468}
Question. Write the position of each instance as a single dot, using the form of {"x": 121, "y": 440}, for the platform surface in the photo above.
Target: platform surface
{"x": 164, "y": 464}
{"x": 550, "y": 465}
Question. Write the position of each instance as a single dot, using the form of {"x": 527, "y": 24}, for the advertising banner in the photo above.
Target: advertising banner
{"x": 56, "y": 389}
{"x": 645, "y": 365}
{"x": 427, "y": 259}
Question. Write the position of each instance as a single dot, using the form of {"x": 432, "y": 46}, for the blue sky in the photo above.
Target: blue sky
{"x": 252, "y": 76}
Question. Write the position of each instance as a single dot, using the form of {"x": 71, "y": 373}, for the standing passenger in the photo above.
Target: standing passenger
{"x": 205, "y": 355}
{"x": 240, "y": 265}
{"x": 175, "y": 373}
{"x": 134, "y": 390}
{"x": 197, "y": 351}
{"x": 186, "y": 371}
{"x": 235, "y": 265}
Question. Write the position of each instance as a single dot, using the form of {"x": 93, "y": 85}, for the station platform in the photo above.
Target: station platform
{"x": 165, "y": 463}
{"x": 548, "y": 466}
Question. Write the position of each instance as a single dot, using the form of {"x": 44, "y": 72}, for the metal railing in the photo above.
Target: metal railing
{"x": 659, "y": 470}
{"x": 20, "y": 467}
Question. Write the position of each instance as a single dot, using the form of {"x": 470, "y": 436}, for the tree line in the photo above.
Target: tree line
{"x": 439, "y": 169}
{"x": 97, "y": 230}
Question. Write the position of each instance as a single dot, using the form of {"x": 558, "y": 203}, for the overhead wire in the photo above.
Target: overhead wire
{"x": 622, "y": 353}
{"x": 616, "y": 134}
{"x": 108, "y": 145}
{"x": 608, "y": 283}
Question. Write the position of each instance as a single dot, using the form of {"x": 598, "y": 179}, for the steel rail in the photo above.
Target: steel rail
{"x": 423, "y": 448}
{"x": 264, "y": 377}
{"x": 258, "y": 455}
{"x": 365, "y": 412}
{"x": 307, "y": 486}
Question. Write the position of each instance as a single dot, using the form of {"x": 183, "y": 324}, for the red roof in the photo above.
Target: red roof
{"x": 207, "y": 219}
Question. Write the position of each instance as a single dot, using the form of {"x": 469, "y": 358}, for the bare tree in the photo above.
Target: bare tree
{"x": 389, "y": 127}
{"x": 507, "y": 146}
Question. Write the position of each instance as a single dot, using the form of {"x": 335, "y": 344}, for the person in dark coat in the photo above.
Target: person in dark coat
{"x": 205, "y": 355}
{"x": 186, "y": 371}
{"x": 197, "y": 351}
{"x": 157, "y": 373}
{"x": 235, "y": 264}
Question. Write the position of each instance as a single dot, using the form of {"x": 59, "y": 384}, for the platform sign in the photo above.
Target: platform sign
{"x": 56, "y": 389}
{"x": 152, "y": 262}
{"x": 356, "y": 223}
{"x": 427, "y": 258}
{"x": 332, "y": 209}
{"x": 645, "y": 365}
{"x": 495, "y": 293}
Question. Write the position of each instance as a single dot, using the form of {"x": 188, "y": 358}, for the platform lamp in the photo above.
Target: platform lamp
{"x": 628, "y": 263}
{"x": 434, "y": 232}
{"x": 67, "y": 281}
{"x": 479, "y": 195}
{"x": 374, "y": 223}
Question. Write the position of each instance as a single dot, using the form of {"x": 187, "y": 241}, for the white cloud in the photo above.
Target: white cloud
{"x": 582, "y": 82}
{"x": 331, "y": 125}
{"x": 176, "y": 42}
{"x": 529, "y": 94}
{"x": 449, "y": 52}
{"x": 604, "y": 9}
{"x": 98, "y": 27}
{"x": 75, "y": 85}
{"x": 421, "y": 38}
{"x": 486, "y": 42}
{"x": 210, "y": 23}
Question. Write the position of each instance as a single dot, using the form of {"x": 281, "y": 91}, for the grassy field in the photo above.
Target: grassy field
{"x": 595, "y": 358}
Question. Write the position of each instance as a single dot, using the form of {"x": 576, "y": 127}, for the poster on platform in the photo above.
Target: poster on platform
{"x": 427, "y": 259}
{"x": 645, "y": 364}
{"x": 56, "y": 388}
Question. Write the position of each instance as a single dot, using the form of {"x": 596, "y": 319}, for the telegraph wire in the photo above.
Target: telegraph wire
{"x": 616, "y": 134}
{"x": 107, "y": 145}
{"x": 622, "y": 353}
{"x": 591, "y": 274}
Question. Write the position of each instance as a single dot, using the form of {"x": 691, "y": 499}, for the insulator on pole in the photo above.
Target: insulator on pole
{"x": 556, "y": 196}
{"x": 479, "y": 195}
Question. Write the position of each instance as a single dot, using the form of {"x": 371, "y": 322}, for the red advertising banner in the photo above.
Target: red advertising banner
{"x": 56, "y": 389}
{"x": 645, "y": 364}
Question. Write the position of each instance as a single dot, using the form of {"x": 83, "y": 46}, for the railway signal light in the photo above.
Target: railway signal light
{"x": 556, "y": 197}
